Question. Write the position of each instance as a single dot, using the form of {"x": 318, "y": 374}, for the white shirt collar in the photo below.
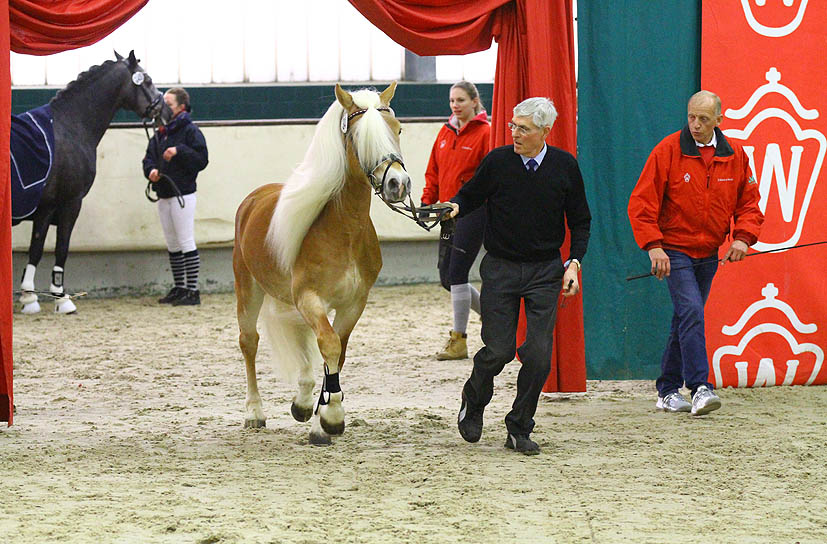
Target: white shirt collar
{"x": 712, "y": 143}
{"x": 538, "y": 158}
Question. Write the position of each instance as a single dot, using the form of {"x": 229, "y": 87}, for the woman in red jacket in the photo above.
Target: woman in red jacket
{"x": 459, "y": 147}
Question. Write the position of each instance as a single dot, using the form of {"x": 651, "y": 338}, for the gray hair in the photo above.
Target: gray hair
{"x": 541, "y": 110}
{"x": 706, "y": 95}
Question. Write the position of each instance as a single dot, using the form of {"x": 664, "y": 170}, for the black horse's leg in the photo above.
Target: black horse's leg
{"x": 40, "y": 226}
{"x": 66, "y": 217}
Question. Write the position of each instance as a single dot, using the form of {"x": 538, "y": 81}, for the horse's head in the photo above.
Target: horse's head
{"x": 139, "y": 93}
{"x": 372, "y": 133}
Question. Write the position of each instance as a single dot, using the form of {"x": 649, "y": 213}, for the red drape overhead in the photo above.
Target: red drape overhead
{"x": 535, "y": 58}
{"x": 43, "y": 27}
{"x": 38, "y": 27}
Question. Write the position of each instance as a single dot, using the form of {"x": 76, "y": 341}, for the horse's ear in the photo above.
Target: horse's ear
{"x": 132, "y": 61}
{"x": 387, "y": 95}
{"x": 118, "y": 56}
{"x": 344, "y": 98}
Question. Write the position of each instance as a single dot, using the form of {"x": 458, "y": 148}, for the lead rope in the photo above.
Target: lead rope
{"x": 147, "y": 191}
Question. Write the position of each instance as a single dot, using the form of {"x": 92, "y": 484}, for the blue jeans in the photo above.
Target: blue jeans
{"x": 685, "y": 360}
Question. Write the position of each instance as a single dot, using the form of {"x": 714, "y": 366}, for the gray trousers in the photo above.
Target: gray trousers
{"x": 504, "y": 283}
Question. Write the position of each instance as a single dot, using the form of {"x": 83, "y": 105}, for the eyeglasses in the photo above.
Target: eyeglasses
{"x": 519, "y": 129}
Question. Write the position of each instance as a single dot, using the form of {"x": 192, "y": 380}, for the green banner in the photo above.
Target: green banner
{"x": 639, "y": 62}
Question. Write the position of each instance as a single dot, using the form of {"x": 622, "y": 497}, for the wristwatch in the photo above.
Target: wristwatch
{"x": 575, "y": 261}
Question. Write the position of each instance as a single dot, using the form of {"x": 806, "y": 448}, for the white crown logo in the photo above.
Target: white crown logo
{"x": 769, "y": 31}
{"x": 773, "y": 167}
{"x": 765, "y": 375}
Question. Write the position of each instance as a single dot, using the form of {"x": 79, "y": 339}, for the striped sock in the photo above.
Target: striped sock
{"x": 192, "y": 264}
{"x": 176, "y": 263}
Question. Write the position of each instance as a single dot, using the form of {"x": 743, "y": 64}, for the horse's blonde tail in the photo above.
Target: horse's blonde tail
{"x": 292, "y": 341}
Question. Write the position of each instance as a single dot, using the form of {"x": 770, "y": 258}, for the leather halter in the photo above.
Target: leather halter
{"x": 426, "y": 217}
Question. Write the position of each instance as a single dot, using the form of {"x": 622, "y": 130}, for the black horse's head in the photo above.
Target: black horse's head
{"x": 140, "y": 94}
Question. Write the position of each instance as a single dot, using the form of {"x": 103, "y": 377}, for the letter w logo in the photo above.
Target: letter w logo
{"x": 774, "y": 166}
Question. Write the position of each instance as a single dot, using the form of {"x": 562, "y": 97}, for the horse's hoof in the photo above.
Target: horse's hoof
{"x": 320, "y": 439}
{"x": 27, "y": 297}
{"x": 334, "y": 429}
{"x": 65, "y": 306}
{"x": 31, "y": 308}
{"x": 255, "y": 423}
{"x": 301, "y": 414}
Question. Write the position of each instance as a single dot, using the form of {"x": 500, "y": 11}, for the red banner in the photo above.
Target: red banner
{"x": 766, "y": 319}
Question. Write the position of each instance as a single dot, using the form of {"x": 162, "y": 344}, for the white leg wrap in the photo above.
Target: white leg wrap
{"x": 28, "y": 279}
{"x": 57, "y": 289}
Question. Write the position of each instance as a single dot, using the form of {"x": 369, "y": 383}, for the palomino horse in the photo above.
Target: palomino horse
{"x": 81, "y": 114}
{"x": 307, "y": 248}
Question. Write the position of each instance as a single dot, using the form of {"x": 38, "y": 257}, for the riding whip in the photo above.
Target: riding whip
{"x": 705, "y": 261}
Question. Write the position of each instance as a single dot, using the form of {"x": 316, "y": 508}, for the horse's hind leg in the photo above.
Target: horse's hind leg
{"x": 66, "y": 218}
{"x": 40, "y": 226}
{"x": 249, "y": 297}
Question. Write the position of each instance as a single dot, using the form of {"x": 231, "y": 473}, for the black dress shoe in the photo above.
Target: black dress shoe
{"x": 174, "y": 293}
{"x": 191, "y": 297}
{"x": 522, "y": 443}
{"x": 469, "y": 422}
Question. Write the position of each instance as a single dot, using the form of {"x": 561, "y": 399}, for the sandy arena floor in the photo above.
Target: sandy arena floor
{"x": 129, "y": 429}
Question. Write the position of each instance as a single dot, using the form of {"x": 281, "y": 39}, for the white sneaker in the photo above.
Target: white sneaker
{"x": 673, "y": 402}
{"x": 704, "y": 401}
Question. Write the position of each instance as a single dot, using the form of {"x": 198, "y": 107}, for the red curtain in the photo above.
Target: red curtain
{"x": 535, "y": 58}
{"x": 6, "y": 400}
{"x": 44, "y": 27}
{"x": 40, "y": 27}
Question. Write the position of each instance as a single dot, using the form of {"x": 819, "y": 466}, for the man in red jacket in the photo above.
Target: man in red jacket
{"x": 693, "y": 186}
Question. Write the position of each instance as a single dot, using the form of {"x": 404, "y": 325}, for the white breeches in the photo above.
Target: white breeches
{"x": 178, "y": 223}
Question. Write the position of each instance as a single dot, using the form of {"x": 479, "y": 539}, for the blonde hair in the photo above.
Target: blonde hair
{"x": 472, "y": 92}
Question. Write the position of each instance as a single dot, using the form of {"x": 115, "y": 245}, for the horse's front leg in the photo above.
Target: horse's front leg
{"x": 40, "y": 227}
{"x": 66, "y": 218}
{"x": 330, "y": 415}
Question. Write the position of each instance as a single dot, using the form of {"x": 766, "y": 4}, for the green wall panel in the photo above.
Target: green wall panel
{"x": 306, "y": 101}
{"x": 639, "y": 62}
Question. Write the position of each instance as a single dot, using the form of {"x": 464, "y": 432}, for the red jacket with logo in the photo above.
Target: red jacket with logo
{"x": 455, "y": 157}
{"x": 679, "y": 203}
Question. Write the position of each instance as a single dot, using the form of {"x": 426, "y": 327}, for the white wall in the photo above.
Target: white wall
{"x": 256, "y": 41}
{"x": 117, "y": 216}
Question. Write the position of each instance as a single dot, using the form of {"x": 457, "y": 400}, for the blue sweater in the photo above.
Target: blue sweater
{"x": 527, "y": 212}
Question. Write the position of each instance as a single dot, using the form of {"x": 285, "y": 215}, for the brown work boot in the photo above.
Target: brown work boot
{"x": 456, "y": 348}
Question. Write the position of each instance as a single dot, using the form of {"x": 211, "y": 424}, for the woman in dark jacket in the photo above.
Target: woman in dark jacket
{"x": 173, "y": 159}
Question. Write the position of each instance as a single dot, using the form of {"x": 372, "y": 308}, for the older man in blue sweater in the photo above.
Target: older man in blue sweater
{"x": 531, "y": 191}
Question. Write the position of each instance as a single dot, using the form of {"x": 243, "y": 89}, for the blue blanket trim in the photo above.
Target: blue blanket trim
{"x": 32, "y": 146}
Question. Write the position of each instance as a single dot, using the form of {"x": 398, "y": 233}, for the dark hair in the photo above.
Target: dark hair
{"x": 182, "y": 97}
{"x": 472, "y": 92}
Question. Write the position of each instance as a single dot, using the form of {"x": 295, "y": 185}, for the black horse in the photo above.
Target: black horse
{"x": 81, "y": 114}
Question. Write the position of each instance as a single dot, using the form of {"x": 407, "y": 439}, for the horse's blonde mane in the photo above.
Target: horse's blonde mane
{"x": 321, "y": 174}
